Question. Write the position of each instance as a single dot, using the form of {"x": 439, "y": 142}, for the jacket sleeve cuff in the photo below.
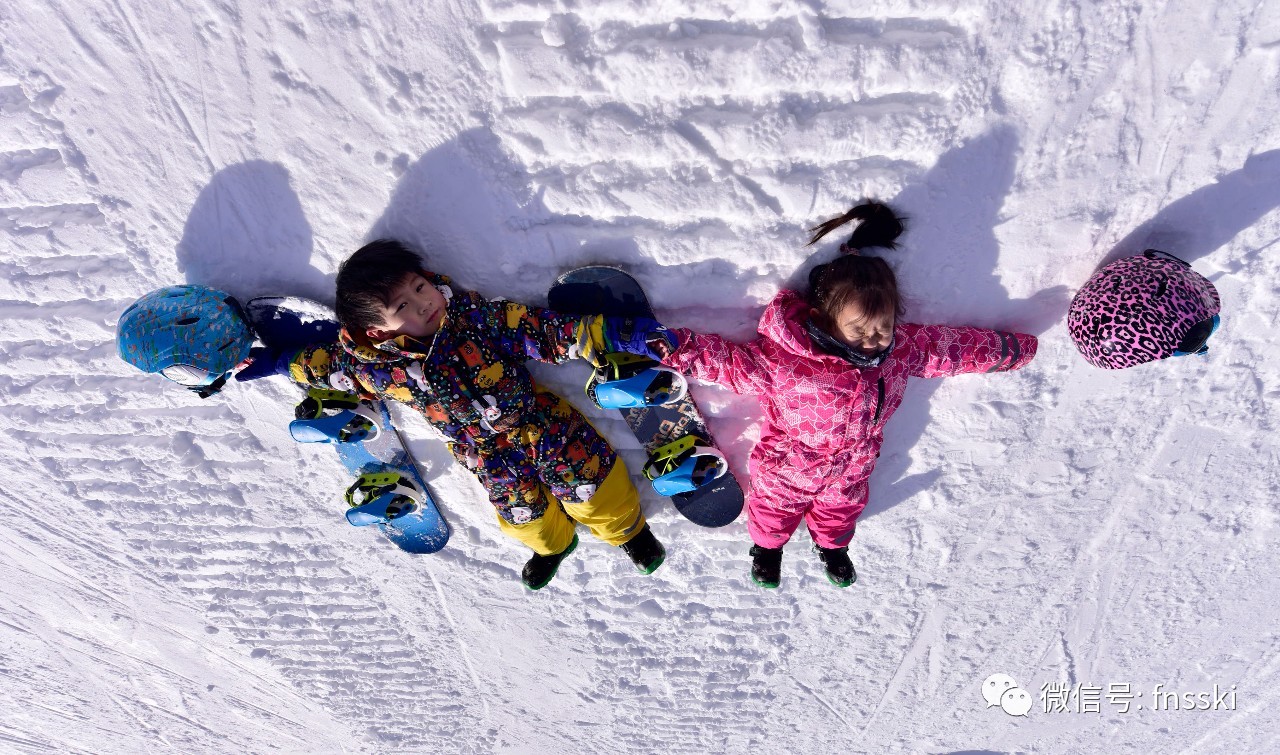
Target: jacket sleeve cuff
{"x": 1016, "y": 351}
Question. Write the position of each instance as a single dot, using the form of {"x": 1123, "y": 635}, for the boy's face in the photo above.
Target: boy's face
{"x": 415, "y": 309}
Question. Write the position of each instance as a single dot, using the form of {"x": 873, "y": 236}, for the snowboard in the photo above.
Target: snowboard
{"x": 286, "y": 321}
{"x": 612, "y": 292}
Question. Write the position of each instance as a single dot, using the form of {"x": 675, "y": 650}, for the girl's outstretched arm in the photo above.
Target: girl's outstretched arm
{"x": 740, "y": 367}
{"x": 941, "y": 350}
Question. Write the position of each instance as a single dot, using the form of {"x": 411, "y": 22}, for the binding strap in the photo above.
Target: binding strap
{"x": 630, "y": 381}
{"x": 328, "y": 416}
{"x": 379, "y": 497}
{"x": 1010, "y": 349}
{"x": 683, "y": 466}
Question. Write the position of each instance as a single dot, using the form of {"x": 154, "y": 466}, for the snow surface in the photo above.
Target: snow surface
{"x": 176, "y": 574}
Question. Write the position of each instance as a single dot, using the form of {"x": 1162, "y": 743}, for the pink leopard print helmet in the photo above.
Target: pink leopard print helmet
{"x": 1140, "y": 309}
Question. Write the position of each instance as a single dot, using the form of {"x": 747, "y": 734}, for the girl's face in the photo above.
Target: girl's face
{"x": 853, "y": 328}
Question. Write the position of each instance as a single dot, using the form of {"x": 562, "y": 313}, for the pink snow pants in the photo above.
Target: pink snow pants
{"x": 826, "y": 491}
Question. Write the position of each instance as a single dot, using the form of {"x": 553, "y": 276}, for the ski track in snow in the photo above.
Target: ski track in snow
{"x": 177, "y": 574}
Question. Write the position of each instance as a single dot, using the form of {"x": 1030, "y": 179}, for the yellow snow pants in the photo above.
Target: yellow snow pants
{"x": 612, "y": 514}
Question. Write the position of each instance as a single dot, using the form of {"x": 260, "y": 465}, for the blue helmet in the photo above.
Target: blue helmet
{"x": 192, "y": 335}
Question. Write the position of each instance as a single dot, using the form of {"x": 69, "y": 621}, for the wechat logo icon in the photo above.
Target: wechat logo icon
{"x": 1002, "y": 690}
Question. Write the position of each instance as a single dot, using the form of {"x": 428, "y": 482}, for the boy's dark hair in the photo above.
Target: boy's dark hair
{"x": 366, "y": 280}
{"x": 868, "y": 281}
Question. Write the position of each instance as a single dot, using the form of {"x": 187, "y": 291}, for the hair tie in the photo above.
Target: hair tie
{"x": 850, "y": 250}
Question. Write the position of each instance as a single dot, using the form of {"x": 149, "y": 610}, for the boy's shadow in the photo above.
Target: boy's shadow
{"x": 946, "y": 266}
{"x": 470, "y": 225}
{"x": 247, "y": 235}
{"x": 1210, "y": 216}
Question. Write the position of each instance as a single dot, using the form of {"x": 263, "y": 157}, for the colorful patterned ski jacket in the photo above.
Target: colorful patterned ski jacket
{"x": 469, "y": 381}
{"x": 824, "y": 418}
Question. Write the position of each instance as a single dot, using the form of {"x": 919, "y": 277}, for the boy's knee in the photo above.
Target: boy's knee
{"x": 613, "y": 511}
{"x": 551, "y": 532}
{"x": 616, "y": 490}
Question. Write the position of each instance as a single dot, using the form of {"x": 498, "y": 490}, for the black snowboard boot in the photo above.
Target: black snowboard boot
{"x": 766, "y": 566}
{"x": 539, "y": 570}
{"x": 839, "y": 567}
{"x": 645, "y": 551}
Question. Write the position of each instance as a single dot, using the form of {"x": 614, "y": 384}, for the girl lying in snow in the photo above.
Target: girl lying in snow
{"x": 830, "y": 367}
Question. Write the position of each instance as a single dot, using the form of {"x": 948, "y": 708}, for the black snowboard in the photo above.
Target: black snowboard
{"x": 610, "y": 291}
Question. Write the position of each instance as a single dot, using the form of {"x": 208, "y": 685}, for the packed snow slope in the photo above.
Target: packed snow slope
{"x": 176, "y": 573}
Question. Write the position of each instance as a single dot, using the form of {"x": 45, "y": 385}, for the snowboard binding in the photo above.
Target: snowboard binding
{"x": 683, "y": 466}
{"x": 630, "y": 381}
{"x": 380, "y": 497}
{"x": 328, "y": 416}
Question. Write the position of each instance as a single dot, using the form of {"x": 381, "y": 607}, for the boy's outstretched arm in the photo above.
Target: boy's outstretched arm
{"x": 550, "y": 336}
{"x": 942, "y": 350}
{"x": 532, "y": 332}
{"x": 320, "y": 366}
{"x": 313, "y": 365}
{"x": 601, "y": 334}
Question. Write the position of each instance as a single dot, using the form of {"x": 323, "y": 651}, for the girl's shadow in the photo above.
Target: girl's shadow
{"x": 950, "y": 255}
{"x": 946, "y": 266}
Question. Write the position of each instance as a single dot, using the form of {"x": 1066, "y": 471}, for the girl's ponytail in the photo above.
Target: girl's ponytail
{"x": 878, "y": 226}
{"x": 866, "y": 280}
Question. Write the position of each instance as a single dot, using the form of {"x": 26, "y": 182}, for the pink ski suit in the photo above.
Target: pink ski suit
{"x": 823, "y": 416}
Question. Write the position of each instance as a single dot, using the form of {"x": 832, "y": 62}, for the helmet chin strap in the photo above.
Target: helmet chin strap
{"x": 205, "y": 391}
{"x": 831, "y": 345}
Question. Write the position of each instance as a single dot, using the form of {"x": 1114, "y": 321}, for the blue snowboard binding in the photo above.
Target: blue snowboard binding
{"x": 714, "y": 499}
{"x": 327, "y": 416}
{"x": 381, "y": 498}
{"x": 630, "y": 381}
{"x": 683, "y": 466}
{"x": 391, "y": 495}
